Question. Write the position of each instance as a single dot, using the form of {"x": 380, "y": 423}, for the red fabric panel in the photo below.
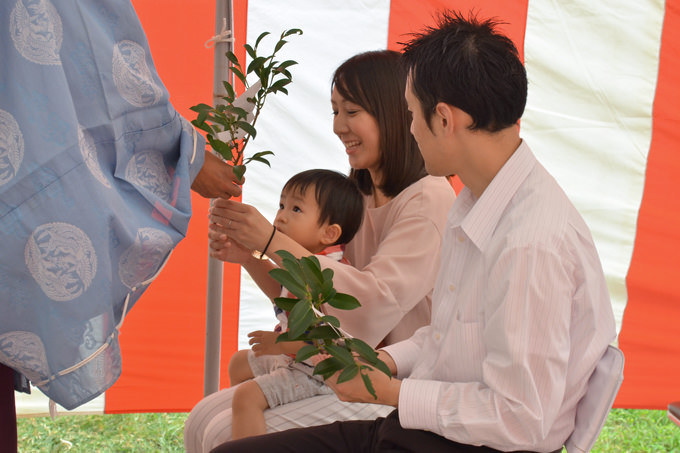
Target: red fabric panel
{"x": 407, "y": 16}
{"x": 651, "y": 323}
{"x": 162, "y": 341}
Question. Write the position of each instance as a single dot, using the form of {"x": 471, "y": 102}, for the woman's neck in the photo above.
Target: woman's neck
{"x": 379, "y": 198}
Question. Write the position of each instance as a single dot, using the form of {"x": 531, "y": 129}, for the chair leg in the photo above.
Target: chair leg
{"x": 674, "y": 412}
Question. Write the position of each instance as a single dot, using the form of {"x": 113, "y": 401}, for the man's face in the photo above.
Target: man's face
{"x": 428, "y": 142}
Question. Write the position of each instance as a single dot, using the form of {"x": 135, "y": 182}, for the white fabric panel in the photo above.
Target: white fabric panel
{"x": 298, "y": 128}
{"x": 592, "y": 69}
{"x": 37, "y": 404}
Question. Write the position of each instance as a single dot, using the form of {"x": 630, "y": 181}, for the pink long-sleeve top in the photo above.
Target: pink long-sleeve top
{"x": 394, "y": 262}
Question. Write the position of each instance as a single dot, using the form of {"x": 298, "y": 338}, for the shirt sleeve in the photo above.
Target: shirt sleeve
{"x": 524, "y": 369}
{"x": 406, "y": 353}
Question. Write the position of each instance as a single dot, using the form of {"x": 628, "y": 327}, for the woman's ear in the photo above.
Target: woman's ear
{"x": 331, "y": 234}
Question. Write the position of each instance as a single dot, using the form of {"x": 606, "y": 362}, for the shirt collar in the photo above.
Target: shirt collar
{"x": 478, "y": 217}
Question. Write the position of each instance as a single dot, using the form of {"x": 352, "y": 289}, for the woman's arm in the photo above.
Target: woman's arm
{"x": 395, "y": 279}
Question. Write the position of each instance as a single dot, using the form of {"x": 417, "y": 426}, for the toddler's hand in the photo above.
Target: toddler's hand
{"x": 264, "y": 343}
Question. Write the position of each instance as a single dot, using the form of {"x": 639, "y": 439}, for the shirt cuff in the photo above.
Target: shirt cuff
{"x": 418, "y": 400}
{"x": 405, "y": 353}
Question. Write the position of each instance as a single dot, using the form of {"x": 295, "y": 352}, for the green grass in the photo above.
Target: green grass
{"x": 625, "y": 431}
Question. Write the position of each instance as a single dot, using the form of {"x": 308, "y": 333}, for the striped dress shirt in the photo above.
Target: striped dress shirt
{"x": 521, "y": 315}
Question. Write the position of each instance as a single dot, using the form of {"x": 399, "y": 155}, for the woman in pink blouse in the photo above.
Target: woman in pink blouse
{"x": 394, "y": 256}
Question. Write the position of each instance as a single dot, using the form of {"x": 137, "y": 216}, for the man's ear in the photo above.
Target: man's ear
{"x": 443, "y": 118}
{"x": 331, "y": 234}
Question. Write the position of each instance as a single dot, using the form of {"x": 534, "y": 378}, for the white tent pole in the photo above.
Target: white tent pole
{"x": 213, "y": 321}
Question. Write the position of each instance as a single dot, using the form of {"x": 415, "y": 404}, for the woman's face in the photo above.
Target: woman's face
{"x": 358, "y": 131}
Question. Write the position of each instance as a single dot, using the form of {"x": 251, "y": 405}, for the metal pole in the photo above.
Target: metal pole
{"x": 213, "y": 321}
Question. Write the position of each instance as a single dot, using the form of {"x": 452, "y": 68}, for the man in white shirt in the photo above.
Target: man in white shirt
{"x": 521, "y": 312}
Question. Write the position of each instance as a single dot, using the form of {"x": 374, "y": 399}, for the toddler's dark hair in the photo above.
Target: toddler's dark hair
{"x": 338, "y": 197}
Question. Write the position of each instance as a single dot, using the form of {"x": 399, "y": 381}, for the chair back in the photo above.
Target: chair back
{"x": 593, "y": 408}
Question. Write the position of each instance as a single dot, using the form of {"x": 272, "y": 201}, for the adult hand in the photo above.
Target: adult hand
{"x": 239, "y": 222}
{"x": 216, "y": 179}
{"x": 264, "y": 343}
{"x": 224, "y": 249}
{"x": 386, "y": 388}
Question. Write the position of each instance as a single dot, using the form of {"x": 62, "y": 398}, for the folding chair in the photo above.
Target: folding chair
{"x": 593, "y": 408}
{"x": 674, "y": 412}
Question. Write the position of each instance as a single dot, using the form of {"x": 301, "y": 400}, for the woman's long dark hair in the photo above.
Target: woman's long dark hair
{"x": 376, "y": 81}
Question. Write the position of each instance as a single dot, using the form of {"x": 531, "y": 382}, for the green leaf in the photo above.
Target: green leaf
{"x": 369, "y": 385}
{"x": 285, "y": 278}
{"x": 340, "y": 353}
{"x": 264, "y": 77}
{"x": 231, "y": 56}
{"x": 246, "y": 126}
{"x": 306, "y": 352}
{"x": 283, "y": 337}
{"x": 312, "y": 273}
{"x": 237, "y": 71}
{"x": 250, "y": 51}
{"x": 262, "y": 153}
{"x": 201, "y": 107}
{"x": 203, "y": 126}
{"x": 236, "y": 112}
{"x": 279, "y": 86}
{"x": 284, "y": 254}
{"x": 368, "y": 354}
{"x": 285, "y": 64}
{"x": 258, "y": 159}
{"x": 220, "y": 147}
{"x": 300, "y": 318}
{"x": 255, "y": 65}
{"x": 344, "y": 302}
{"x": 259, "y": 38}
{"x": 293, "y": 266}
{"x": 231, "y": 94}
{"x": 322, "y": 333}
{"x": 296, "y": 31}
{"x": 362, "y": 348}
{"x": 285, "y": 303}
{"x": 328, "y": 367}
{"x": 239, "y": 171}
{"x": 348, "y": 373}
{"x": 279, "y": 44}
{"x": 382, "y": 366}
{"x": 330, "y": 320}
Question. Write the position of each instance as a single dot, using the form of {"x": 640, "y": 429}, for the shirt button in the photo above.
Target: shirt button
{"x": 452, "y": 288}
{"x": 461, "y": 238}
{"x": 437, "y": 336}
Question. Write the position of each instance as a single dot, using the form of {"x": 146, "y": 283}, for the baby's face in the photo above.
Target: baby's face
{"x": 298, "y": 218}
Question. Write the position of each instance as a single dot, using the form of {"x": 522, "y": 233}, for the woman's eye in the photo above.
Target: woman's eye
{"x": 335, "y": 113}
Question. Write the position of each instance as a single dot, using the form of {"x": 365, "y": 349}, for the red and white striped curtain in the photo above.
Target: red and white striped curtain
{"x": 602, "y": 116}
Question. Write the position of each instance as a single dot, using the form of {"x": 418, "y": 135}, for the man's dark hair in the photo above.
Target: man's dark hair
{"x": 338, "y": 197}
{"x": 466, "y": 63}
{"x": 376, "y": 81}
